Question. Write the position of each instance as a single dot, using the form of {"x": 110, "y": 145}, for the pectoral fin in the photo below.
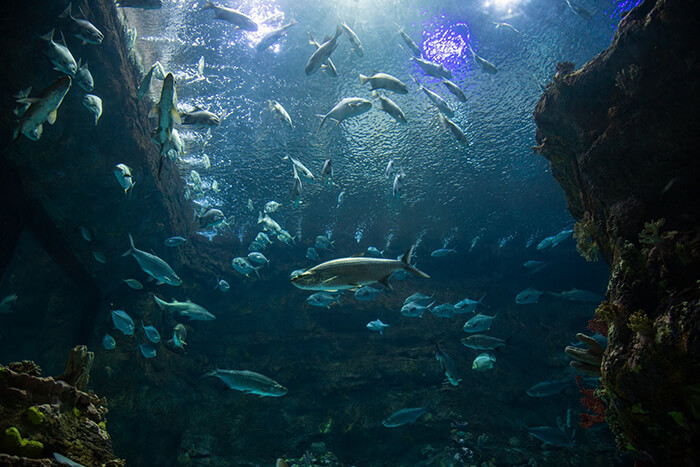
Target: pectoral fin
{"x": 51, "y": 118}
{"x": 175, "y": 115}
{"x": 385, "y": 282}
{"x": 154, "y": 112}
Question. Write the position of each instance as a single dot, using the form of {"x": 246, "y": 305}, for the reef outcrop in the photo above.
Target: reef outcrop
{"x": 42, "y": 416}
{"x": 621, "y": 136}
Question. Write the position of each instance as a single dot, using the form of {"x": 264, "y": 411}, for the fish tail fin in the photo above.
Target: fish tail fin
{"x": 338, "y": 32}
{"x": 66, "y": 13}
{"x": 49, "y": 35}
{"x": 131, "y": 247}
{"x": 404, "y": 49}
{"x": 161, "y": 303}
{"x": 208, "y": 6}
{"x": 363, "y": 79}
{"x": 211, "y": 373}
{"x": 323, "y": 120}
{"x": 415, "y": 80}
{"x": 406, "y": 263}
{"x": 481, "y": 301}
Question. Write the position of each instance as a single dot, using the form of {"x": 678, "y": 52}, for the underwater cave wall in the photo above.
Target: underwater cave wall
{"x": 621, "y": 136}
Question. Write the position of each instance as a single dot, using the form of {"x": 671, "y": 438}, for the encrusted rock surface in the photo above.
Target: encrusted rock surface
{"x": 621, "y": 135}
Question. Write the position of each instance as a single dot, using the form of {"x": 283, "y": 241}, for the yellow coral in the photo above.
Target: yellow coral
{"x": 584, "y": 230}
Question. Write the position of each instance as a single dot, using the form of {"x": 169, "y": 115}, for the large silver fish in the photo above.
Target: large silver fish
{"x": 232, "y": 16}
{"x": 82, "y": 28}
{"x": 438, "y": 101}
{"x": 273, "y": 36}
{"x": 453, "y": 128}
{"x": 153, "y": 265}
{"x": 166, "y": 110}
{"x": 354, "y": 272}
{"x": 485, "y": 65}
{"x": 409, "y": 42}
{"x": 436, "y": 70}
{"x": 59, "y": 54}
{"x": 249, "y": 382}
{"x": 187, "y": 309}
{"x": 384, "y": 81}
{"x": 323, "y": 52}
{"x": 328, "y": 65}
{"x": 390, "y": 107}
{"x": 354, "y": 39}
{"x": 346, "y": 108}
{"x": 42, "y": 109}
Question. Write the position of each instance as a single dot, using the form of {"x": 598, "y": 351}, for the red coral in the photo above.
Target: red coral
{"x": 592, "y": 403}
{"x": 598, "y": 325}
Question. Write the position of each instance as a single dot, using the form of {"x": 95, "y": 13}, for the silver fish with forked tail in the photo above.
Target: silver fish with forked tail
{"x": 249, "y": 382}
{"x": 354, "y": 272}
{"x": 153, "y": 265}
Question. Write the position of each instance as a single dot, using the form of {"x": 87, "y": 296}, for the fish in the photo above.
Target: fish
{"x": 187, "y": 309}
{"x": 134, "y": 284}
{"x": 63, "y": 460}
{"x": 418, "y": 298}
{"x": 550, "y": 387}
{"x": 354, "y": 272}
{"x": 404, "y": 416}
{"x": 296, "y": 188}
{"x": 390, "y": 107}
{"x": 453, "y": 128}
{"x": 82, "y": 28}
{"x": 442, "y": 252}
{"x": 322, "y": 53}
{"x": 436, "y": 70}
{"x": 485, "y": 65}
{"x": 83, "y": 77}
{"x": 165, "y": 110}
{"x": 354, "y": 40}
{"x": 273, "y": 36}
{"x": 249, "y": 382}
{"x": 232, "y": 16}
{"x": 301, "y": 168}
{"x": 179, "y": 335}
{"x": 438, "y": 101}
{"x": 270, "y": 207}
{"x": 147, "y": 350}
{"x": 444, "y": 310}
{"x": 346, "y": 108}
{"x": 211, "y": 218}
{"x": 123, "y": 322}
{"x": 199, "y": 117}
{"x": 222, "y": 285}
{"x": 145, "y": 85}
{"x": 327, "y": 173}
{"x": 479, "y": 323}
{"x": 200, "y": 67}
{"x": 483, "y": 342}
{"x": 552, "y": 436}
{"x": 546, "y": 242}
{"x": 159, "y": 71}
{"x": 528, "y": 296}
{"x": 447, "y": 365}
{"x": 108, "y": 342}
{"x": 124, "y": 177}
{"x": 42, "y": 109}
{"x": 467, "y": 305}
{"x": 8, "y": 303}
{"x": 280, "y": 111}
{"x": 312, "y": 254}
{"x": 413, "y": 47}
{"x": 454, "y": 89}
{"x": 500, "y": 24}
{"x": 323, "y": 242}
{"x": 415, "y": 309}
{"x": 243, "y": 266}
{"x": 341, "y": 198}
{"x": 484, "y": 361}
{"x": 94, "y": 104}
{"x": 143, "y": 4}
{"x": 99, "y": 257}
{"x": 384, "y": 81}
{"x": 366, "y": 293}
{"x": 21, "y": 97}
{"x": 258, "y": 258}
{"x": 153, "y": 265}
{"x": 377, "y": 326}
{"x": 269, "y": 223}
{"x": 323, "y": 299}
{"x": 251, "y": 206}
{"x": 579, "y": 11}
{"x": 397, "y": 186}
{"x": 152, "y": 333}
{"x": 174, "y": 241}
{"x": 374, "y": 252}
{"x": 59, "y": 54}
{"x": 578, "y": 295}
{"x": 295, "y": 273}
{"x": 533, "y": 263}
{"x": 263, "y": 239}
{"x": 328, "y": 67}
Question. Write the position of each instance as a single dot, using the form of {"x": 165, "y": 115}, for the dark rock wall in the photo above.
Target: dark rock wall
{"x": 622, "y": 134}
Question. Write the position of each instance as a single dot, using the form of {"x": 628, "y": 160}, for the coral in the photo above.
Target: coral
{"x": 650, "y": 234}
{"x": 588, "y": 360}
{"x": 584, "y": 231}
{"x": 11, "y": 442}
{"x": 640, "y": 322}
{"x": 35, "y": 415}
{"x": 593, "y": 403}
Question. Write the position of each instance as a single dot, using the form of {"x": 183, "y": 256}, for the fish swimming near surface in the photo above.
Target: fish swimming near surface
{"x": 447, "y": 365}
{"x": 273, "y": 36}
{"x": 438, "y": 101}
{"x": 384, "y": 81}
{"x": 322, "y": 53}
{"x": 390, "y": 107}
{"x": 346, "y": 108}
{"x": 432, "y": 69}
{"x": 479, "y": 323}
{"x": 249, "y": 382}
{"x": 174, "y": 241}
{"x": 413, "y": 47}
{"x": 187, "y": 309}
{"x": 483, "y": 342}
{"x": 152, "y": 333}
{"x": 354, "y": 39}
{"x": 59, "y": 54}
{"x": 83, "y": 77}
{"x": 485, "y": 65}
{"x": 454, "y": 89}
{"x": 200, "y": 117}
{"x": 354, "y": 272}
{"x": 528, "y": 296}
{"x": 579, "y": 11}
{"x": 82, "y": 28}
{"x": 42, "y": 109}
{"x": 328, "y": 67}
{"x": 94, "y": 104}
{"x": 552, "y": 436}
{"x": 232, "y": 16}
{"x": 377, "y": 326}
{"x": 124, "y": 177}
{"x": 281, "y": 112}
{"x": 404, "y": 416}
{"x": 123, "y": 322}
{"x": 153, "y": 266}
{"x": 453, "y": 128}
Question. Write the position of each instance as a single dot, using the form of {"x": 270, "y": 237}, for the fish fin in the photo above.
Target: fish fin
{"x": 48, "y": 36}
{"x": 385, "y": 282}
{"x": 154, "y": 112}
{"x": 329, "y": 279}
{"x": 208, "y": 6}
{"x": 131, "y": 249}
{"x": 175, "y": 115}
{"x": 28, "y": 100}
{"x": 51, "y": 118}
{"x": 357, "y": 255}
{"x": 63, "y": 40}
{"x": 363, "y": 79}
{"x": 406, "y": 260}
{"x": 66, "y": 13}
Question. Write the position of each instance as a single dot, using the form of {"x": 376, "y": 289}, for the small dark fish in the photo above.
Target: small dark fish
{"x": 404, "y": 416}
{"x": 174, "y": 241}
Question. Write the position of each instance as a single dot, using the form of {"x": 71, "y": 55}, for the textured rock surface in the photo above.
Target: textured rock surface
{"x": 621, "y": 135}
